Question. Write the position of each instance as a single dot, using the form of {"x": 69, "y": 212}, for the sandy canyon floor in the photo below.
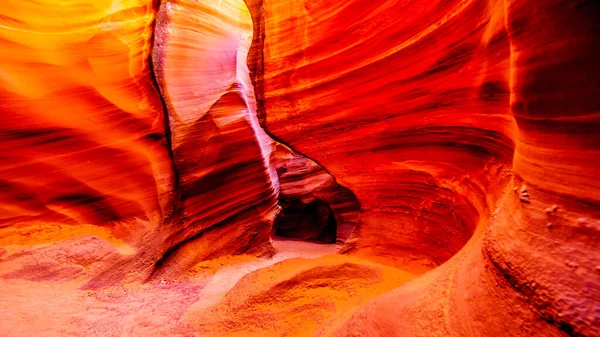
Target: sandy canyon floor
{"x": 302, "y": 288}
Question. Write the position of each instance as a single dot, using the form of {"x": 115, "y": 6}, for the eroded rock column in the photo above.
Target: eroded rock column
{"x": 405, "y": 103}
{"x": 227, "y": 192}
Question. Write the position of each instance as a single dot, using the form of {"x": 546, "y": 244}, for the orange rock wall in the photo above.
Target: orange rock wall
{"x": 421, "y": 109}
{"x": 85, "y": 141}
{"x": 82, "y": 128}
{"x": 548, "y": 248}
{"x": 466, "y": 129}
{"x": 405, "y": 103}
{"x": 227, "y": 192}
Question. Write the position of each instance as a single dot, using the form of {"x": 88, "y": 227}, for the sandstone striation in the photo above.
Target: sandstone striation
{"x": 407, "y": 106}
{"x": 82, "y": 126}
{"x": 421, "y": 109}
{"x": 299, "y": 168}
{"x": 226, "y": 190}
{"x": 314, "y": 206}
{"x": 85, "y": 166}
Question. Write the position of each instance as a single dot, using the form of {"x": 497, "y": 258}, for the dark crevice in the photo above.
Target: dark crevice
{"x": 313, "y": 221}
{"x": 255, "y": 62}
{"x": 154, "y": 62}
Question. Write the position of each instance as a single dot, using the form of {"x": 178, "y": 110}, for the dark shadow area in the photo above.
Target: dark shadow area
{"x": 314, "y": 207}
{"x": 313, "y": 221}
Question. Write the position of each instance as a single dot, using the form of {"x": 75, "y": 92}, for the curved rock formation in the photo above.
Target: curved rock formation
{"x": 314, "y": 206}
{"x": 82, "y": 127}
{"x": 407, "y": 106}
{"x": 418, "y": 108}
{"x": 295, "y": 297}
{"x": 227, "y": 199}
{"x": 84, "y": 150}
{"x": 450, "y": 148}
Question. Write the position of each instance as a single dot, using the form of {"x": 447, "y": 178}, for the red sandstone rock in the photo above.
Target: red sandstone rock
{"x": 407, "y": 106}
{"x": 81, "y": 130}
{"x": 420, "y": 108}
{"x": 314, "y": 206}
{"x": 467, "y": 131}
{"x": 227, "y": 199}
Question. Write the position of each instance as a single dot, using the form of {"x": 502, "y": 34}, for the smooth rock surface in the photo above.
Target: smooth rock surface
{"x": 82, "y": 128}
{"x": 449, "y": 148}
{"x": 421, "y": 109}
{"x": 406, "y": 103}
{"x": 227, "y": 195}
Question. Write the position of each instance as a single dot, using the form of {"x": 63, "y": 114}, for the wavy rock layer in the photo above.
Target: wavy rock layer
{"x": 85, "y": 142}
{"x": 405, "y": 103}
{"x": 314, "y": 206}
{"x": 82, "y": 129}
{"x": 227, "y": 197}
{"x": 420, "y": 108}
{"x": 465, "y": 130}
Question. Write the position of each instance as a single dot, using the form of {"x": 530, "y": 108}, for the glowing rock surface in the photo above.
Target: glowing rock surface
{"x": 82, "y": 128}
{"x": 227, "y": 199}
{"x": 177, "y": 168}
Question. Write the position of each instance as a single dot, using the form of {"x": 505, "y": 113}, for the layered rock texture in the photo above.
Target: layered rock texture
{"x": 314, "y": 206}
{"x": 83, "y": 137}
{"x": 417, "y": 126}
{"x": 421, "y": 108}
{"x": 299, "y": 168}
{"x": 226, "y": 201}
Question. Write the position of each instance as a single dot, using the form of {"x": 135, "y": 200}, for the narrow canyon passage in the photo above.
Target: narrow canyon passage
{"x": 299, "y": 168}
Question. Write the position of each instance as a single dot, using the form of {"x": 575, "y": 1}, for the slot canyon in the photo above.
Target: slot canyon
{"x": 299, "y": 168}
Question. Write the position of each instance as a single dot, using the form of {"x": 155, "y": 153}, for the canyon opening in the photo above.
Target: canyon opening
{"x": 231, "y": 168}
